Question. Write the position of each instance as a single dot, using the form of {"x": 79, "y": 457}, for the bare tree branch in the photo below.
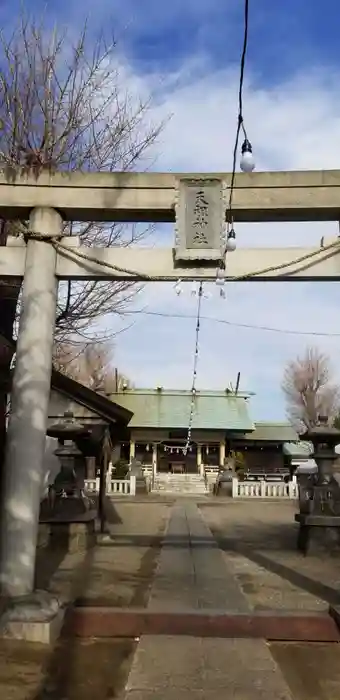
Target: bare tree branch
{"x": 65, "y": 106}
{"x": 91, "y": 365}
{"x": 309, "y": 389}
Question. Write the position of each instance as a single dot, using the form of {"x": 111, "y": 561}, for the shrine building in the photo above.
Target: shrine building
{"x": 157, "y": 432}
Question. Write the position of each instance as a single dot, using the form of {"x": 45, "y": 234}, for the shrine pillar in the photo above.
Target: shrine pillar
{"x": 26, "y": 438}
{"x": 200, "y": 465}
{"x": 132, "y": 449}
{"x": 154, "y": 459}
{"x": 222, "y": 453}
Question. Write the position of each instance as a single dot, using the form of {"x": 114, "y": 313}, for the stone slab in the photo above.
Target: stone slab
{"x": 116, "y": 622}
{"x": 204, "y": 668}
{"x": 42, "y": 632}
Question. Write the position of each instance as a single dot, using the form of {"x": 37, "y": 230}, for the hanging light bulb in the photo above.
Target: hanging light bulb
{"x": 220, "y": 281}
{"x": 230, "y": 245}
{"x": 193, "y": 289}
{"x": 247, "y": 163}
{"x": 178, "y": 287}
{"x": 220, "y": 277}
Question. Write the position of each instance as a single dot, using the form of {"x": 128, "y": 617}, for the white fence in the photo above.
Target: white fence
{"x": 265, "y": 489}
{"x": 114, "y": 487}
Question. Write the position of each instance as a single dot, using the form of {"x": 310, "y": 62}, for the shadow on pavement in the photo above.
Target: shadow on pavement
{"x": 79, "y": 668}
{"x": 315, "y": 588}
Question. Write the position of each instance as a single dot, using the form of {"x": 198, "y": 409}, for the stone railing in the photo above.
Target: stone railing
{"x": 210, "y": 475}
{"x": 114, "y": 487}
{"x": 92, "y": 485}
{"x": 264, "y": 489}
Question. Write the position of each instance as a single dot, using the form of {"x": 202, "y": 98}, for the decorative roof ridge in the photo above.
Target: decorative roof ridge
{"x": 182, "y": 392}
{"x": 274, "y": 424}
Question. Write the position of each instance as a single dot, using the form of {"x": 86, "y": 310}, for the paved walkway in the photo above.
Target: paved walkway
{"x": 192, "y": 574}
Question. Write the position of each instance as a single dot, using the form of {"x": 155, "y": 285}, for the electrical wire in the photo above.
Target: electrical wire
{"x": 194, "y": 373}
{"x": 240, "y": 126}
{"x": 240, "y": 123}
{"x": 235, "y": 324}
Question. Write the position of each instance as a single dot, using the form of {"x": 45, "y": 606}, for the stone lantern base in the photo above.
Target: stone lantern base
{"x": 318, "y": 533}
{"x": 70, "y": 535}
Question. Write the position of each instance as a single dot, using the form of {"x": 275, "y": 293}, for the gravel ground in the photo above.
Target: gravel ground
{"x": 259, "y": 542}
{"x": 117, "y": 573}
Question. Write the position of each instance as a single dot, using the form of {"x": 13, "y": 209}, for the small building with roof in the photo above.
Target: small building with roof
{"x": 157, "y": 432}
{"x": 263, "y": 448}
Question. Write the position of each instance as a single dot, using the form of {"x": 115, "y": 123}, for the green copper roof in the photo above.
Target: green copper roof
{"x": 273, "y": 432}
{"x": 171, "y": 409}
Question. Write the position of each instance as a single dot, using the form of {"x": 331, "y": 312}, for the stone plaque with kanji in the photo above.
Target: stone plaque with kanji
{"x": 200, "y": 219}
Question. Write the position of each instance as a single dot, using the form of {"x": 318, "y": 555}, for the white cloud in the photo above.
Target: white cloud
{"x": 292, "y": 126}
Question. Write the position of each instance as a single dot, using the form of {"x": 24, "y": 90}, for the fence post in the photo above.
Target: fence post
{"x": 132, "y": 485}
{"x": 97, "y": 484}
{"x": 234, "y": 487}
{"x": 292, "y": 490}
{"x": 263, "y": 488}
{"x": 108, "y": 481}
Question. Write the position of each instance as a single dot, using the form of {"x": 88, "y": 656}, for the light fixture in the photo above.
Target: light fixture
{"x": 230, "y": 245}
{"x": 178, "y": 287}
{"x": 220, "y": 281}
{"x": 247, "y": 163}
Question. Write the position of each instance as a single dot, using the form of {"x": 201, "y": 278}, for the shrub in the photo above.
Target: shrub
{"x": 120, "y": 469}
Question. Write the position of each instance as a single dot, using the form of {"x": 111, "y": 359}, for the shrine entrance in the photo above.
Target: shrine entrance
{"x": 198, "y": 207}
{"x": 172, "y": 460}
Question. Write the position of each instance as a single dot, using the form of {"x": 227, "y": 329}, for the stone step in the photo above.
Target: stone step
{"x": 187, "y": 484}
{"x": 180, "y": 489}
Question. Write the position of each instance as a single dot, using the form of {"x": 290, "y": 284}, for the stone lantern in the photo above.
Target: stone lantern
{"x": 320, "y": 493}
{"x": 66, "y": 494}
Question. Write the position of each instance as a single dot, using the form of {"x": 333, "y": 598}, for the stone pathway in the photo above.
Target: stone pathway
{"x": 192, "y": 574}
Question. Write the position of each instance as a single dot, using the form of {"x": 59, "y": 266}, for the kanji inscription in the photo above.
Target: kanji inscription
{"x": 200, "y": 219}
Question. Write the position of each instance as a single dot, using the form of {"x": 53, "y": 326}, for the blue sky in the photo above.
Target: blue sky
{"x": 185, "y": 55}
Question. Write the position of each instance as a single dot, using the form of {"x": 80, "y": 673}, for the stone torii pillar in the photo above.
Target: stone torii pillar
{"x": 30, "y": 400}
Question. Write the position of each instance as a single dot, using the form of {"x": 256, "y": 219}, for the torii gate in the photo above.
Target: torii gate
{"x": 49, "y": 200}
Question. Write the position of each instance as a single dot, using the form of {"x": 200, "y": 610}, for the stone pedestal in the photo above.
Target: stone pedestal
{"x": 70, "y": 535}
{"x": 37, "y": 617}
{"x": 318, "y": 534}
